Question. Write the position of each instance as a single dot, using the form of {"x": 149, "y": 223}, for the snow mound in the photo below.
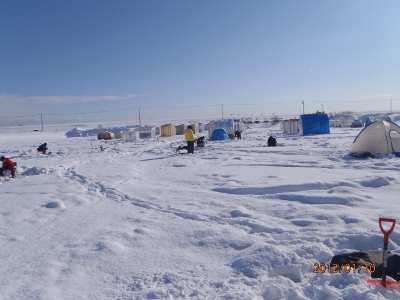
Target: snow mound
{"x": 37, "y": 170}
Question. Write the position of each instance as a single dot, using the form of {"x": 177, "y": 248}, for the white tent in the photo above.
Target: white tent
{"x": 148, "y": 131}
{"x": 381, "y": 137}
{"x": 130, "y": 136}
{"x": 290, "y": 126}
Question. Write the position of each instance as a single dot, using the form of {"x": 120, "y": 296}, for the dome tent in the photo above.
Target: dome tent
{"x": 219, "y": 135}
{"x": 380, "y": 137}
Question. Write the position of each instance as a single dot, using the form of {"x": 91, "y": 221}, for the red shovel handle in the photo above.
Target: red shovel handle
{"x": 386, "y": 233}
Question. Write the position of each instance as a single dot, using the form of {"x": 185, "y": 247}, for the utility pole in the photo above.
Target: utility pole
{"x": 303, "y": 106}
{"x": 140, "y": 122}
{"x": 222, "y": 107}
{"x": 41, "y": 119}
{"x": 391, "y": 105}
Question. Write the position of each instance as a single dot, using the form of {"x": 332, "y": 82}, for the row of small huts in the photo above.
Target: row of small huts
{"x": 164, "y": 131}
{"x": 171, "y": 129}
{"x": 317, "y": 124}
{"x": 230, "y": 126}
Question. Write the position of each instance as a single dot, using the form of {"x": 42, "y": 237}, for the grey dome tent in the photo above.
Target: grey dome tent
{"x": 380, "y": 137}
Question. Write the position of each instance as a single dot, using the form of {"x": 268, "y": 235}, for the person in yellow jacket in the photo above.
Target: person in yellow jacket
{"x": 190, "y": 139}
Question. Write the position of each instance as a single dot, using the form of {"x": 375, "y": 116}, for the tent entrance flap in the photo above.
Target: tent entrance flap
{"x": 395, "y": 142}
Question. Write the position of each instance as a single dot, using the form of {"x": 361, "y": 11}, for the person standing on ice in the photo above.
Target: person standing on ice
{"x": 8, "y": 164}
{"x": 190, "y": 139}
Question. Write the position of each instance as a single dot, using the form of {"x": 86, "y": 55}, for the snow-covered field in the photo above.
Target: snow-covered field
{"x": 236, "y": 220}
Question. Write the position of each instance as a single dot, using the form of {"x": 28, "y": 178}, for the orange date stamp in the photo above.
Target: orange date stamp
{"x": 345, "y": 268}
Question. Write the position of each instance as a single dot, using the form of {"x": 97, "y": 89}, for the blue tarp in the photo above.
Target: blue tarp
{"x": 314, "y": 124}
{"x": 219, "y": 135}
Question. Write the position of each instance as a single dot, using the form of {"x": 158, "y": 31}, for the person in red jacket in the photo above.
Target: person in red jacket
{"x": 8, "y": 164}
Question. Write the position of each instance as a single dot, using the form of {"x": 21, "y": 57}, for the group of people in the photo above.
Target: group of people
{"x": 9, "y": 165}
{"x": 190, "y": 140}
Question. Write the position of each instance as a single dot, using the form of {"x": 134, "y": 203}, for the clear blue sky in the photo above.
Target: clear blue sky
{"x": 63, "y": 57}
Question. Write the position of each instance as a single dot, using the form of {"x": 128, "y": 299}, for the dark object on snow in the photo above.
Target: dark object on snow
{"x": 181, "y": 148}
{"x": 42, "y": 148}
{"x": 238, "y": 135}
{"x": 360, "y": 258}
{"x": 362, "y": 154}
{"x": 201, "y": 142}
{"x": 367, "y": 258}
{"x": 271, "y": 141}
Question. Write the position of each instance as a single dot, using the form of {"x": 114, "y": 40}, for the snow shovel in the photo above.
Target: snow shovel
{"x": 386, "y": 234}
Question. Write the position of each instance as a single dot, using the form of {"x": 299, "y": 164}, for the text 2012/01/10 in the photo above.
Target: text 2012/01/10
{"x": 338, "y": 268}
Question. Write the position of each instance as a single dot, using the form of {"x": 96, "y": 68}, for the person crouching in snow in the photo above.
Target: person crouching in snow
{"x": 201, "y": 142}
{"x": 42, "y": 148}
{"x": 190, "y": 139}
{"x": 8, "y": 164}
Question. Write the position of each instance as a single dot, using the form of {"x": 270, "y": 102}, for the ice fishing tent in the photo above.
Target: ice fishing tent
{"x": 195, "y": 127}
{"x": 118, "y": 135}
{"x": 238, "y": 125}
{"x": 227, "y": 125}
{"x": 380, "y": 137}
{"x": 219, "y": 134}
{"x": 341, "y": 120}
{"x": 168, "y": 130}
{"x": 105, "y": 135}
{"x": 148, "y": 131}
{"x": 230, "y": 126}
{"x": 130, "y": 136}
{"x": 201, "y": 127}
{"x": 314, "y": 124}
{"x": 180, "y": 129}
{"x": 290, "y": 126}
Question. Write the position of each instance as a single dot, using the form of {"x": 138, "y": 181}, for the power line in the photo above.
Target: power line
{"x": 336, "y": 101}
{"x": 151, "y": 107}
{"x": 194, "y": 106}
{"x": 20, "y": 116}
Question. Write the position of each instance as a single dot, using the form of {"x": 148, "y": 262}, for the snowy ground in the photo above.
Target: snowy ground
{"x": 236, "y": 220}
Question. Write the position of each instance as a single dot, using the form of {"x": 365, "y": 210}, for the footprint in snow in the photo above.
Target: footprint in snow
{"x": 55, "y": 204}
